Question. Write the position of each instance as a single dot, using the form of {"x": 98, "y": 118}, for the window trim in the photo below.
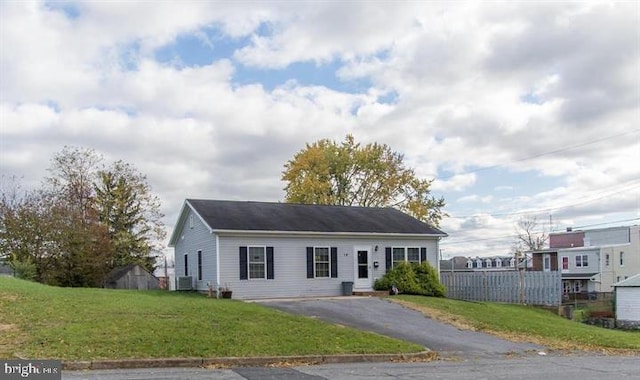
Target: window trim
{"x": 315, "y": 262}
{"x": 406, "y": 254}
{"x": 249, "y": 262}
{"x": 583, "y": 262}
{"x": 565, "y": 260}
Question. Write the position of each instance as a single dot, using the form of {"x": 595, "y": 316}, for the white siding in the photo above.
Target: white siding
{"x": 593, "y": 260}
{"x": 606, "y": 236}
{"x": 628, "y": 303}
{"x": 191, "y": 240}
{"x": 290, "y": 265}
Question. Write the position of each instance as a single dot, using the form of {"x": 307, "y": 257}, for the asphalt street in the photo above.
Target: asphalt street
{"x": 532, "y": 367}
{"x": 388, "y": 318}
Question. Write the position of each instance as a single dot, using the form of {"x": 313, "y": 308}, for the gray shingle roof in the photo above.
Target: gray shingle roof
{"x": 289, "y": 217}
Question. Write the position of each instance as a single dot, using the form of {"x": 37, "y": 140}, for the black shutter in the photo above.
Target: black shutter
{"x": 310, "y": 262}
{"x": 244, "y": 267}
{"x": 270, "y": 263}
{"x": 423, "y": 254}
{"x": 387, "y": 256}
{"x": 334, "y": 262}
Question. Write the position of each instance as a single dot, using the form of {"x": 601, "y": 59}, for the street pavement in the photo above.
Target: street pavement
{"x": 531, "y": 367}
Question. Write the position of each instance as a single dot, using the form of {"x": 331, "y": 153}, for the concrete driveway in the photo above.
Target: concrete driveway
{"x": 391, "y": 319}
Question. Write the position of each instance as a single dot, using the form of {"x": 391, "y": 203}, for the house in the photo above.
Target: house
{"x": 271, "y": 250}
{"x": 591, "y": 260}
{"x": 628, "y": 302}
{"x": 467, "y": 264}
{"x": 132, "y": 276}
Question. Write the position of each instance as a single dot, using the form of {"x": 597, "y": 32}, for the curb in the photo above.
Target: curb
{"x": 260, "y": 361}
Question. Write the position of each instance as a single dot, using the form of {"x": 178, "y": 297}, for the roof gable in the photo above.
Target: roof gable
{"x": 289, "y": 217}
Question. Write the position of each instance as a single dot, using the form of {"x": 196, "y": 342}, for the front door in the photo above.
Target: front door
{"x": 363, "y": 275}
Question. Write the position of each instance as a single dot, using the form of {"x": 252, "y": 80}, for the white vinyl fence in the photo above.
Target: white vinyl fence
{"x": 531, "y": 288}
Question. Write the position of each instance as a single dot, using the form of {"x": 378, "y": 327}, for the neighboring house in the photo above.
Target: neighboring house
{"x": 468, "y": 264}
{"x": 270, "y": 250}
{"x": 628, "y": 302}
{"x": 591, "y": 260}
{"x": 132, "y": 276}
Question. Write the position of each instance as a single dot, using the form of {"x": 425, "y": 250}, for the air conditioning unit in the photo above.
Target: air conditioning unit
{"x": 184, "y": 283}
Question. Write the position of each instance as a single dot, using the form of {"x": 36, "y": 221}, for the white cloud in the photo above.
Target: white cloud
{"x": 547, "y": 89}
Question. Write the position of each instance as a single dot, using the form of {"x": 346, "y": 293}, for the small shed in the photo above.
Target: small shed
{"x": 132, "y": 276}
{"x": 628, "y": 303}
{"x": 5, "y": 268}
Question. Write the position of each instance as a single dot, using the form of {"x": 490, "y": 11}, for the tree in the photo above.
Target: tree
{"x": 84, "y": 221}
{"x": 131, "y": 214}
{"x": 349, "y": 174}
{"x": 527, "y": 236}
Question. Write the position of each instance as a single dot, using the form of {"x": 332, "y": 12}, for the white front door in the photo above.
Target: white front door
{"x": 363, "y": 276}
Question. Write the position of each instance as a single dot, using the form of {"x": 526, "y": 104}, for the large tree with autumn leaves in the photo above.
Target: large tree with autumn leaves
{"x": 351, "y": 174}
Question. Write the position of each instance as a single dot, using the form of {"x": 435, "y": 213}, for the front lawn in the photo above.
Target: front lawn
{"x": 38, "y": 321}
{"x": 524, "y": 323}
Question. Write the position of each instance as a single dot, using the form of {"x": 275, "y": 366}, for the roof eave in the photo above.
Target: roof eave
{"x": 324, "y": 233}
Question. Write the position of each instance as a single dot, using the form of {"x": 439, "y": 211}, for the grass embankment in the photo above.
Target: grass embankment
{"x": 38, "y": 321}
{"x": 523, "y": 323}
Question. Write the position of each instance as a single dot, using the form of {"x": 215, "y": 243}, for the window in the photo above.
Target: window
{"x": 489, "y": 263}
{"x": 512, "y": 262}
{"x": 322, "y": 262}
{"x": 186, "y": 264}
{"x": 398, "y": 256}
{"x": 546, "y": 262}
{"x": 257, "y": 262}
{"x": 582, "y": 261}
{"x": 408, "y": 254}
{"x": 565, "y": 263}
{"x": 200, "y": 265}
{"x": 321, "y": 259}
{"x": 190, "y": 221}
{"x": 606, "y": 259}
{"x": 577, "y": 286}
{"x": 621, "y": 259}
{"x": 413, "y": 255}
{"x": 566, "y": 286}
{"x": 499, "y": 263}
{"x": 469, "y": 264}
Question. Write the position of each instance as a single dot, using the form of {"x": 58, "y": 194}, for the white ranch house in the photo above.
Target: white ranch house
{"x": 276, "y": 250}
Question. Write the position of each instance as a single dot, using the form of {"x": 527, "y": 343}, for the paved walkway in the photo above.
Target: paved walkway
{"x": 391, "y": 319}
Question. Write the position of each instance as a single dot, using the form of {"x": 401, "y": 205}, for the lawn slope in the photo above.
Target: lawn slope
{"x": 38, "y": 321}
{"x": 523, "y": 323}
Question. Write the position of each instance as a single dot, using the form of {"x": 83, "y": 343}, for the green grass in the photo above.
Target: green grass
{"x": 38, "y": 321}
{"x": 529, "y": 323}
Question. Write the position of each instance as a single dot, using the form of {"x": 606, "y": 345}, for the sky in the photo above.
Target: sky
{"x": 513, "y": 109}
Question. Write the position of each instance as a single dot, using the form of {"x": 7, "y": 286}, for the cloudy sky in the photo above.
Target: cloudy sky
{"x": 515, "y": 109}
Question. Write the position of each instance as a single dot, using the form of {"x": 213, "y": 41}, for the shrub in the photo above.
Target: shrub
{"x": 428, "y": 280}
{"x": 25, "y": 270}
{"x": 412, "y": 279}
